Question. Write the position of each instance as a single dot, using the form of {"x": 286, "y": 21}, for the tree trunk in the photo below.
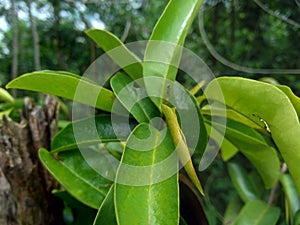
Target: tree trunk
{"x": 35, "y": 38}
{"x": 15, "y": 45}
{"x": 25, "y": 185}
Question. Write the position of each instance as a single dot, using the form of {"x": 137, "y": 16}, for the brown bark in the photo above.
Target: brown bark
{"x": 25, "y": 186}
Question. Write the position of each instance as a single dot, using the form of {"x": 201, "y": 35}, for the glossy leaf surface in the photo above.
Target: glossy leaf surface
{"x": 98, "y": 129}
{"x": 258, "y": 213}
{"x": 163, "y": 51}
{"x": 65, "y": 85}
{"x": 134, "y": 98}
{"x": 230, "y": 114}
{"x": 255, "y": 148}
{"x": 78, "y": 178}
{"x": 295, "y": 100}
{"x": 255, "y": 100}
{"x": 106, "y": 213}
{"x": 147, "y": 181}
{"x": 114, "y": 47}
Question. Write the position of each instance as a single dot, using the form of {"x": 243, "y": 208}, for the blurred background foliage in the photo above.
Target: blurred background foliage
{"x": 253, "y": 39}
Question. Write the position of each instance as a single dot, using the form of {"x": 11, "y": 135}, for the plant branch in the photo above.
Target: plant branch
{"x": 274, "y": 189}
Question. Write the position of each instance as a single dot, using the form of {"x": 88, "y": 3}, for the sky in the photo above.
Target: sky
{"x": 41, "y": 14}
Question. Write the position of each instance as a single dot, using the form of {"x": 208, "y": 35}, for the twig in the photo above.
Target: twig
{"x": 232, "y": 65}
{"x": 274, "y": 189}
{"x": 126, "y": 30}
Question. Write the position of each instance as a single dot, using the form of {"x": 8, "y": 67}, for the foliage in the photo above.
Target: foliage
{"x": 262, "y": 124}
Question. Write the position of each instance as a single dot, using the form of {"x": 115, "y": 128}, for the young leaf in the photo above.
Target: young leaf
{"x": 163, "y": 51}
{"x": 98, "y": 129}
{"x": 146, "y": 190}
{"x": 134, "y": 98}
{"x": 80, "y": 180}
{"x": 181, "y": 145}
{"x": 5, "y": 96}
{"x": 118, "y": 52}
{"x": 258, "y": 212}
{"x": 269, "y": 105}
{"x": 65, "y": 85}
{"x": 106, "y": 213}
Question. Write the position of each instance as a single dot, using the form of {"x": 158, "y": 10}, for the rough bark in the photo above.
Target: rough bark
{"x": 25, "y": 186}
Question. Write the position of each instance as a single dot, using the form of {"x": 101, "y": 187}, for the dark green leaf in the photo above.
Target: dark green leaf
{"x": 93, "y": 130}
{"x": 118, "y": 52}
{"x": 163, "y": 51}
{"x": 80, "y": 213}
{"x": 232, "y": 211}
{"x": 78, "y": 178}
{"x": 106, "y": 213}
{"x": 147, "y": 182}
{"x": 134, "y": 98}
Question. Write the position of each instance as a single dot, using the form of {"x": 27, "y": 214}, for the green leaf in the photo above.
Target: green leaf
{"x": 64, "y": 84}
{"x": 232, "y": 210}
{"x": 16, "y": 104}
{"x": 297, "y": 218}
{"x": 295, "y": 100}
{"x": 80, "y": 213}
{"x": 258, "y": 213}
{"x": 163, "y": 51}
{"x": 5, "y": 112}
{"x": 291, "y": 194}
{"x": 182, "y": 221}
{"x": 228, "y": 150}
{"x": 241, "y": 182}
{"x": 106, "y": 213}
{"x": 92, "y": 130}
{"x": 134, "y": 98}
{"x": 147, "y": 180}
{"x": 78, "y": 178}
{"x": 230, "y": 114}
{"x": 181, "y": 145}
{"x": 5, "y": 96}
{"x": 114, "y": 47}
{"x": 251, "y": 144}
{"x": 267, "y": 104}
